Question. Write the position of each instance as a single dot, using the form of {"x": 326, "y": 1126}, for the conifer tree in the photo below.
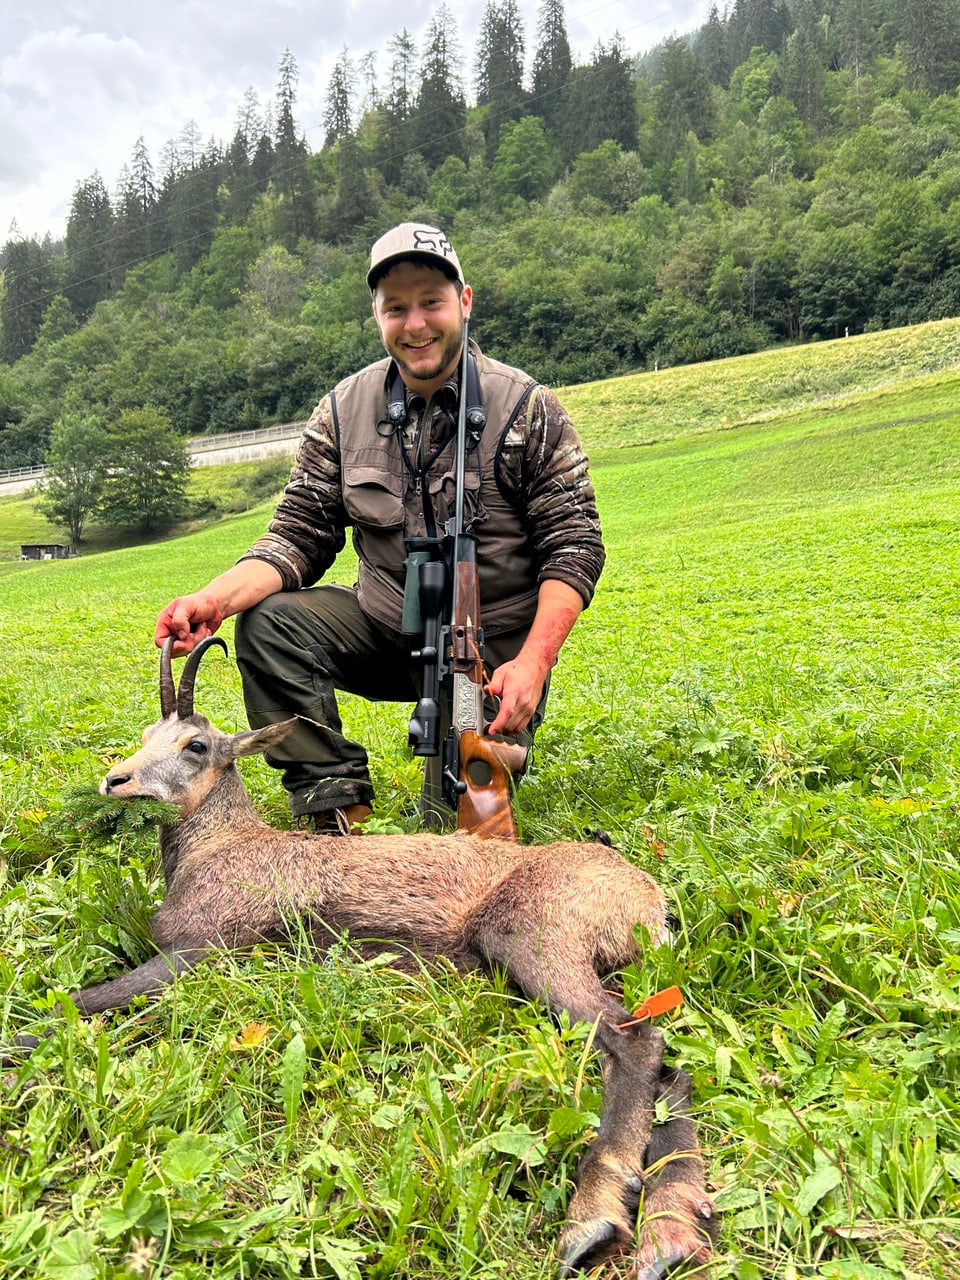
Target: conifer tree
{"x": 338, "y": 109}
{"x": 682, "y": 100}
{"x": 757, "y": 23}
{"x": 239, "y": 191}
{"x": 370, "y": 100}
{"x": 804, "y": 67}
{"x": 930, "y": 43}
{"x": 290, "y": 176}
{"x": 857, "y": 35}
{"x": 394, "y": 141}
{"x": 552, "y": 64}
{"x": 600, "y": 102}
{"x": 241, "y": 185}
{"x": 352, "y": 204}
{"x": 190, "y": 197}
{"x": 713, "y": 50}
{"x": 249, "y": 120}
{"x": 499, "y": 69}
{"x": 30, "y": 283}
{"x": 89, "y": 231}
{"x": 261, "y": 164}
{"x": 441, "y": 109}
{"x": 134, "y": 211}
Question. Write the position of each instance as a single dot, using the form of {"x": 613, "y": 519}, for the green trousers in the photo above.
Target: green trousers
{"x": 295, "y": 651}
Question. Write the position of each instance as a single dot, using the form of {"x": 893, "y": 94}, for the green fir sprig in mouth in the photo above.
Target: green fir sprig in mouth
{"x": 86, "y": 813}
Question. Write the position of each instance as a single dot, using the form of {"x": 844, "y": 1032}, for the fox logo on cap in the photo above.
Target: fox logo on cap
{"x": 432, "y": 241}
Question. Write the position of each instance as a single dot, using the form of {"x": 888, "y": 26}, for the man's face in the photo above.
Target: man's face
{"x": 420, "y": 317}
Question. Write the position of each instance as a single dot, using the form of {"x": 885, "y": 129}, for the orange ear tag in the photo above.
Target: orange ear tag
{"x": 662, "y": 1002}
{"x": 653, "y": 1006}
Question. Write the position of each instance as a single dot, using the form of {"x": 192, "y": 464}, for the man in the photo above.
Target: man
{"x": 378, "y": 454}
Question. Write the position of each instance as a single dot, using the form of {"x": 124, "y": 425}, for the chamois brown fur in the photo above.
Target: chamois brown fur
{"x": 556, "y": 918}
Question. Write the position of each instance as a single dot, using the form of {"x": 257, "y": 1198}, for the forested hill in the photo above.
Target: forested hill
{"x": 789, "y": 171}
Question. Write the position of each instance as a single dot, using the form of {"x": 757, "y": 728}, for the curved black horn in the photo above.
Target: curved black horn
{"x": 168, "y": 691}
{"x": 188, "y": 679}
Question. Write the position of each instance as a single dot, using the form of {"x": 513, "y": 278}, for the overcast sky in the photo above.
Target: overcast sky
{"x": 82, "y": 80}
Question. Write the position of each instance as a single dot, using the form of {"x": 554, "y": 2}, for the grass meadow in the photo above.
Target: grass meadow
{"x": 762, "y": 707}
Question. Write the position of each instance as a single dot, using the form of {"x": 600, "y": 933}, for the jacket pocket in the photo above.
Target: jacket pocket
{"x": 442, "y": 488}
{"x": 373, "y": 497}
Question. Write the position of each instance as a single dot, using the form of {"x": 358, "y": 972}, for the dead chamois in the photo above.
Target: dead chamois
{"x": 556, "y": 918}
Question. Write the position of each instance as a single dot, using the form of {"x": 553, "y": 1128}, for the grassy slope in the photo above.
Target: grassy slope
{"x": 648, "y": 407}
{"x": 762, "y": 706}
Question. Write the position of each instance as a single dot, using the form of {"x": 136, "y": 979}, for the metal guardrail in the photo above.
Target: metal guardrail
{"x": 198, "y": 444}
{"x": 22, "y": 473}
{"x": 202, "y": 444}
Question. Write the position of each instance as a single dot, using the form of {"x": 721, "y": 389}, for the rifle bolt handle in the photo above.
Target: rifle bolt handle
{"x": 458, "y": 784}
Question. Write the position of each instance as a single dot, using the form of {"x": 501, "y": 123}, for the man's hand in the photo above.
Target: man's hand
{"x": 189, "y": 619}
{"x": 519, "y": 686}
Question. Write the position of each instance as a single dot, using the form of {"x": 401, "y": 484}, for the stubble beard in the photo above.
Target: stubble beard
{"x": 446, "y": 357}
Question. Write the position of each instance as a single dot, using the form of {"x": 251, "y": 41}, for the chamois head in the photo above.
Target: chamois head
{"x": 183, "y": 755}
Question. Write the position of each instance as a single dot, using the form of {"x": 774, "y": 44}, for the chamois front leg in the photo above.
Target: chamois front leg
{"x": 147, "y": 979}
{"x": 117, "y": 993}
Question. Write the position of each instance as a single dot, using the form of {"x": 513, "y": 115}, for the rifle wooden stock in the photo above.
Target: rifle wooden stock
{"x": 487, "y": 767}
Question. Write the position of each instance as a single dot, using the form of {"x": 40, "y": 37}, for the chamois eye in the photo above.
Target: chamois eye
{"x": 198, "y": 748}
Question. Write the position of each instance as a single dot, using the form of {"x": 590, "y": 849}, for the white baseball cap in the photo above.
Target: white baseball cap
{"x": 417, "y": 241}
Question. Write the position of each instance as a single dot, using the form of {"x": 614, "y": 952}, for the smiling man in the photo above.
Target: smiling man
{"x": 378, "y": 455}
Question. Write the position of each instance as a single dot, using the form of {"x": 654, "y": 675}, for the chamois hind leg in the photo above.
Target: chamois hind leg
{"x": 674, "y": 1199}
{"x": 613, "y": 1176}
{"x": 636, "y": 1167}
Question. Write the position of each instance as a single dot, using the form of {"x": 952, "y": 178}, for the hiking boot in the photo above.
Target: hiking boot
{"x": 347, "y": 821}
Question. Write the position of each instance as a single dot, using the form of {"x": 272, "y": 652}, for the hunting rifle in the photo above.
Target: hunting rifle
{"x": 443, "y": 579}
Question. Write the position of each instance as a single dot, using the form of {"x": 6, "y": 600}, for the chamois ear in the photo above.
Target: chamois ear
{"x": 250, "y": 742}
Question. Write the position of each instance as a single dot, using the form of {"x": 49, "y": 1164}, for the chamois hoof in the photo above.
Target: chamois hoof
{"x": 676, "y": 1233}
{"x": 17, "y": 1052}
{"x": 588, "y": 1244}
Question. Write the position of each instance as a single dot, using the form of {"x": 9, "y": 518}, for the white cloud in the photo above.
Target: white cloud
{"x": 74, "y": 63}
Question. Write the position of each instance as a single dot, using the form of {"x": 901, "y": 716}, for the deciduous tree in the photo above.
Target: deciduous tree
{"x": 526, "y": 163}
{"x": 77, "y": 466}
{"x": 146, "y": 486}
